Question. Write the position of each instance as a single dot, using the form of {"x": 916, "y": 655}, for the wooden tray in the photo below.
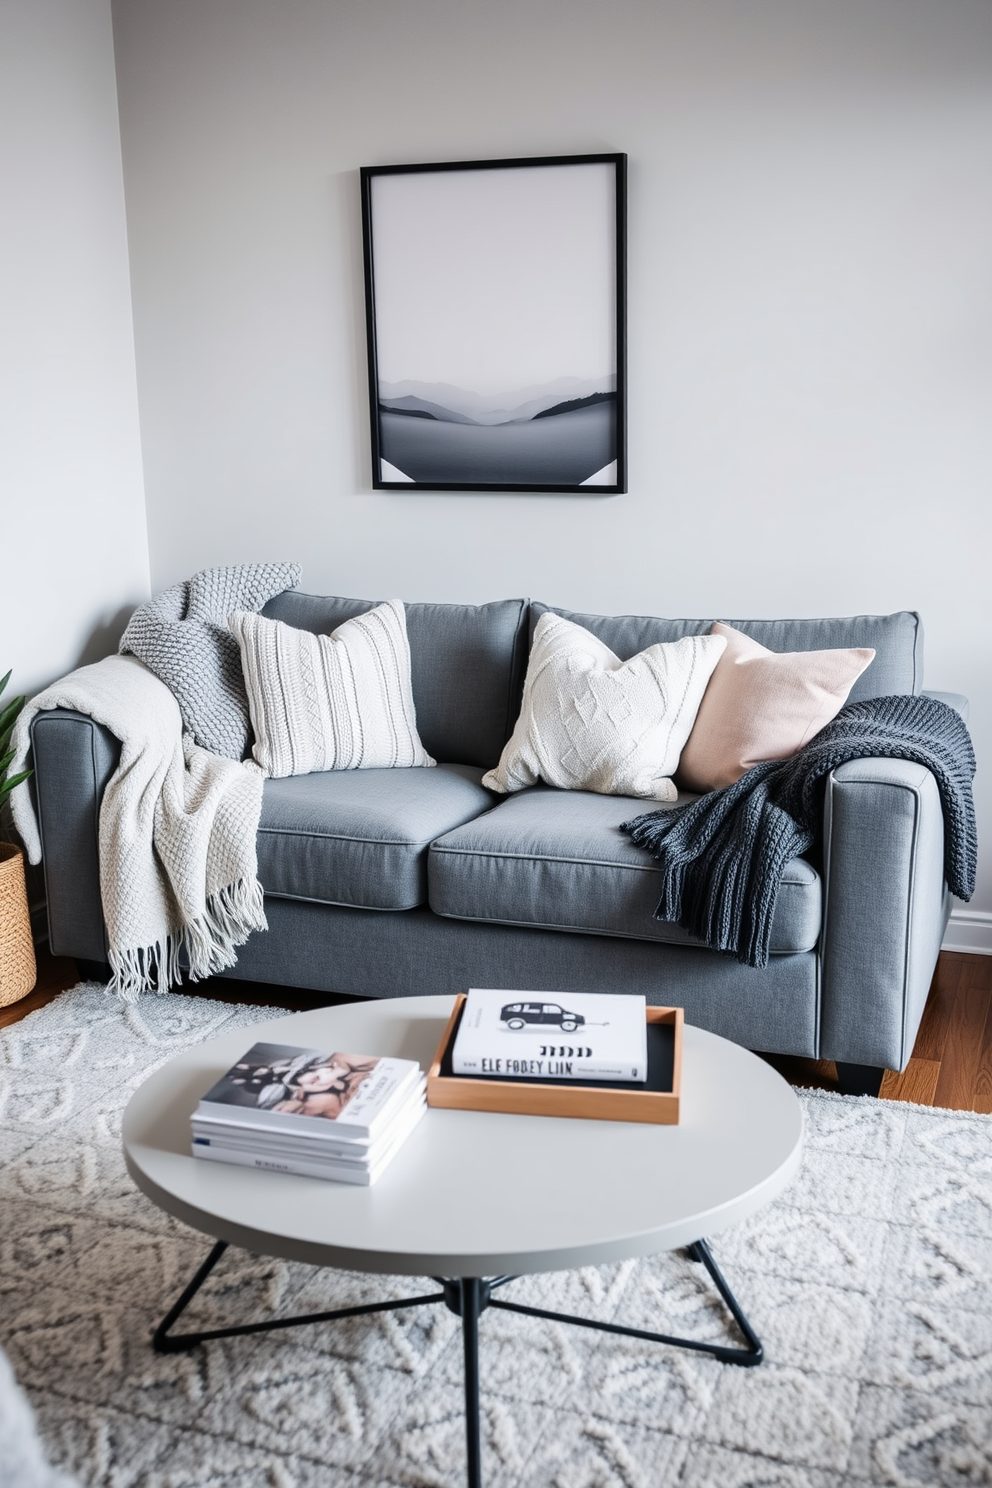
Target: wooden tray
{"x": 657, "y": 1100}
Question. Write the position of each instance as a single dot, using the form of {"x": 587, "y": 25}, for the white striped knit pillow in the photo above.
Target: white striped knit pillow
{"x": 337, "y": 702}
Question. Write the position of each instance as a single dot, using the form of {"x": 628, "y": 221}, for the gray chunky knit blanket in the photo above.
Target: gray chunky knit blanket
{"x": 722, "y": 856}
{"x": 182, "y": 636}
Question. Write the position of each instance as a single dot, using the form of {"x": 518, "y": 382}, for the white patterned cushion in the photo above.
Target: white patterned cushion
{"x": 591, "y": 722}
{"x": 337, "y": 702}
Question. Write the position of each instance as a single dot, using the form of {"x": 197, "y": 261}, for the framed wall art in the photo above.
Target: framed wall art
{"x": 495, "y": 300}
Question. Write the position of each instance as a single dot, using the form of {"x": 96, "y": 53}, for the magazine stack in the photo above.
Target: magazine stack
{"x": 337, "y": 1116}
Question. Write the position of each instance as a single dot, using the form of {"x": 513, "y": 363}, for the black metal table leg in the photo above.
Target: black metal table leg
{"x": 472, "y": 1304}
{"x": 165, "y": 1343}
{"x": 468, "y": 1297}
{"x": 752, "y": 1354}
{"x": 160, "y": 1343}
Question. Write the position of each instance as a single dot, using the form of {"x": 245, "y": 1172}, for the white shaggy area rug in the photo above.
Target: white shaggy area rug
{"x": 870, "y": 1284}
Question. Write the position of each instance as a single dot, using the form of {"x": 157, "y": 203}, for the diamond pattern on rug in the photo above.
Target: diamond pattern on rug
{"x": 869, "y": 1282}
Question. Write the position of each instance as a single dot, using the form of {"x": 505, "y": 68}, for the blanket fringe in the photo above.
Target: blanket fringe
{"x": 153, "y": 968}
{"x": 231, "y": 915}
{"x": 210, "y": 943}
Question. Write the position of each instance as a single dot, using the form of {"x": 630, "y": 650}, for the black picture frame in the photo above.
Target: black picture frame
{"x": 495, "y": 297}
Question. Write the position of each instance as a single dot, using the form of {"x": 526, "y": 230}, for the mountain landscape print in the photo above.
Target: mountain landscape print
{"x": 562, "y": 433}
{"x": 494, "y": 293}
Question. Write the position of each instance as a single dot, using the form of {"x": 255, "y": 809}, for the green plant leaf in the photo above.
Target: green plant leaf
{"x": 8, "y": 718}
{"x": 6, "y": 786}
{"x": 9, "y": 715}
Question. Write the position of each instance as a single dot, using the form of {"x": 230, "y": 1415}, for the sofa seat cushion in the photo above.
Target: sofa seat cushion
{"x": 360, "y": 837}
{"x": 557, "y": 859}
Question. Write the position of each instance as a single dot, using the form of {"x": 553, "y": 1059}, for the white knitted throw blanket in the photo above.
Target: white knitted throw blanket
{"x": 178, "y": 870}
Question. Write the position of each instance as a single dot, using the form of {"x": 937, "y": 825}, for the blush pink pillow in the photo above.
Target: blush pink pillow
{"x": 763, "y": 705}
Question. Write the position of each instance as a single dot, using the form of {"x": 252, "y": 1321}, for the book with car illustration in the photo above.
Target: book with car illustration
{"x": 544, "y": 1036}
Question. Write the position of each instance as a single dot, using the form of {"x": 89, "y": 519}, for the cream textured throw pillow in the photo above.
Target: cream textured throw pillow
{"x": 337, "y": 702}
{"x": 764, "y": 705}
{"x": 591, "y": 722}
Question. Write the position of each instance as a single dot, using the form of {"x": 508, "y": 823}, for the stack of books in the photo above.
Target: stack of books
{"x": 591, "y": 1036}
{"x": 337, "y": 1116}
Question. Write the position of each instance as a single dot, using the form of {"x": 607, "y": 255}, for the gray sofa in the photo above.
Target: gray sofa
{"x": 398, "y": 882}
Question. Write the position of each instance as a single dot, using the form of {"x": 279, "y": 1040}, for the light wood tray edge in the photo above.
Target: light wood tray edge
{"x": 531, "y": 1098}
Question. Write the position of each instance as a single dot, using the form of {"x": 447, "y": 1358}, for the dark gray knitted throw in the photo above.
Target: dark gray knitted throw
{"x": 722, "y": 856}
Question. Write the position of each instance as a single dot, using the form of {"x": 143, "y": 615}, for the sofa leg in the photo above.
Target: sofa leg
{"x": 93, "y": 971}
{"x": 859, "y": 1079}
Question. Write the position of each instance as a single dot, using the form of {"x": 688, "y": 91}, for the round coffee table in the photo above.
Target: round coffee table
{"x": 474, "y": 1199}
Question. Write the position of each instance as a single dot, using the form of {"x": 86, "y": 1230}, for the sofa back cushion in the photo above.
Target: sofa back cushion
{"x": 897, "y": 640}
{"x": 467, "y": 664}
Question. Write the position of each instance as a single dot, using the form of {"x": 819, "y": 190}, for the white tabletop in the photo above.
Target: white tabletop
{"x": 472, "y": 1193}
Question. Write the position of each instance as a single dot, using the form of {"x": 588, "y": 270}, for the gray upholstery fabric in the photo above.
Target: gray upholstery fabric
{"x": 558, "y": 859}
{"x": 406, "y": 955}
{"x": 885, "y": 913}
{"x": 897, "y": 639}
{"x": 956, "y": 700}
{"x": 360, "y": 837}
{"x": 467, "y": 667}
{"x": 73, "y": 758}
{"x": 886, "y": 907}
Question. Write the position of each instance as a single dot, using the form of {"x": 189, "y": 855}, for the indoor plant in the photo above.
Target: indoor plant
{"x": 18, "y": 971}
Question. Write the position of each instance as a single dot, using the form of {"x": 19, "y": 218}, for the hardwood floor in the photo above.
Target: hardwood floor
{"x": 55, "y": 974}
{"x": 951, "y": 1064}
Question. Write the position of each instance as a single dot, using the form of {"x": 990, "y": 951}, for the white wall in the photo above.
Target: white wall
{"x": 73, "y": 537}
{"x": 810, "y": 321}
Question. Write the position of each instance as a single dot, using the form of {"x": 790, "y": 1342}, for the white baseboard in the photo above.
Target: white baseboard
{"x": 969, "y": 930}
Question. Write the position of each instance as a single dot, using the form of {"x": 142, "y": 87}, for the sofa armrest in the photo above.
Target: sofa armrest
{"x": 74, "y": 757}
{"x": 955, "y": 700}
{"x": 885, "y": 908}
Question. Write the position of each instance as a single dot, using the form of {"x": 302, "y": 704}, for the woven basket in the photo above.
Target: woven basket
{"x": 18, "y": 972}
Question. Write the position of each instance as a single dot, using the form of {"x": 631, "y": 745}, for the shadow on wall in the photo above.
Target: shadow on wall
{"x": 105, "y": 638}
